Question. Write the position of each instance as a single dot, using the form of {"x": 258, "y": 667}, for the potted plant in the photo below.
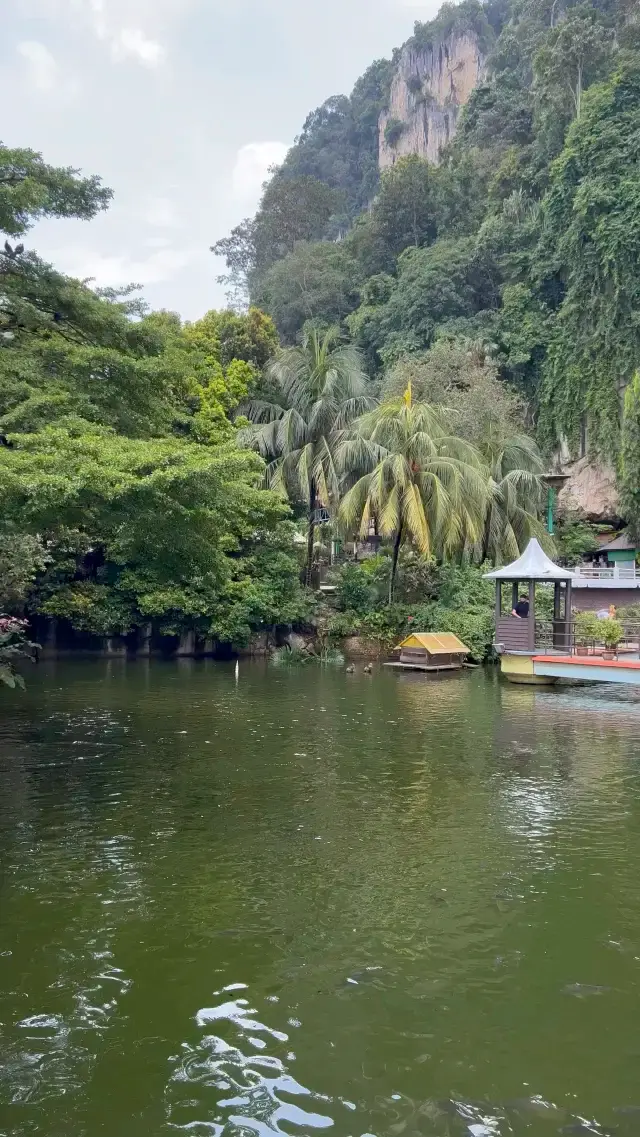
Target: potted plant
{"x": 588, "y": 631}
{"x": 612, "y": 632}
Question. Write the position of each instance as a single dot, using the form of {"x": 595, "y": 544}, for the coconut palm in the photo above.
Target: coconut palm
{"x": 421, "y": 483}
{"x": 320, "y": 388}
{"x": 515, "y": 495}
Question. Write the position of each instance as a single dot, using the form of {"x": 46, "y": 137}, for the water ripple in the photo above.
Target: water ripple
{"x": 216, "y": 1087}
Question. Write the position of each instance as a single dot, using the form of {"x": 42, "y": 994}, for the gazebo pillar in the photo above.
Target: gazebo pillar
{"x": 532, "y": 615}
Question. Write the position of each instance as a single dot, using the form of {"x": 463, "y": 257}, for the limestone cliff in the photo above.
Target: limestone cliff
{"x": 591, "y": 491}
{"x": 431, "y": 85}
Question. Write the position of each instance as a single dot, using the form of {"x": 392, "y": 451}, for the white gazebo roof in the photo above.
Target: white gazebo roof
{"x": 534, "y": 564}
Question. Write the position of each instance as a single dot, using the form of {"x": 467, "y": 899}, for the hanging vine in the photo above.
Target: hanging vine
{"x": 590, "y": 248}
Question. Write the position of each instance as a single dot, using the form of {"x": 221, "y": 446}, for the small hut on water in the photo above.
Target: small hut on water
{"x": 431, "y": 651}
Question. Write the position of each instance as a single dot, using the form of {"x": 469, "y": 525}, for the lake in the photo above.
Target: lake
{"x": 307, "y": 900}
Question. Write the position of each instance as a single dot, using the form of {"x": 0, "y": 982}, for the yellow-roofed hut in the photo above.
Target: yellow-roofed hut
{"x": 431, "y": 651}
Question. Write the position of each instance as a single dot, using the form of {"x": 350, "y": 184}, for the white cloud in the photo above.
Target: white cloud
{"x": 134, "y": 43}
{"x": 42, "y": 69}
{"x": 112, "y": 270}
{"x": 121, "y": 25}
{"x": 157, "y": 242}
{"x": 252, "y": 167}
{"x": 161, "y": 213}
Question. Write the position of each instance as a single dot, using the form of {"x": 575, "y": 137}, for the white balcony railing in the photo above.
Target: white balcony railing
{"x": 624, "y": 571}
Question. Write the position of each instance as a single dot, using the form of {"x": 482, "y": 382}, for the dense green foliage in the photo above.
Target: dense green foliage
{"x": 125, "y": 500}
{"x": 14, "y": 646}
{"x": 524, "y": 237}
{"x": 428, "y": 597}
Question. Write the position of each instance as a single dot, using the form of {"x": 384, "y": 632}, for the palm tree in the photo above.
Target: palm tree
{"x": 320, "y": 388}
{"x": 516, "y": 492}
{"x": 420, "y": 482}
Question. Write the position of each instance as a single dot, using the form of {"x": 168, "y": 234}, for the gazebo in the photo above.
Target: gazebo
{"x": 518, "y": 636}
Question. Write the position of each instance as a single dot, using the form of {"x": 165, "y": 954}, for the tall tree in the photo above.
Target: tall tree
{"x": 461, "y": 377}
{"x": 404, "y": 211}
{"x": 321, "y": 388}
{"x": 317, "y": 281}
{"x": 575, "y": 55}
{"x": 421, "y": 483}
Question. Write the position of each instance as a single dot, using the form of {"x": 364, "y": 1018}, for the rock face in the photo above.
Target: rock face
{"x": 429, "y": 89}
{"x": 591, "y": 490}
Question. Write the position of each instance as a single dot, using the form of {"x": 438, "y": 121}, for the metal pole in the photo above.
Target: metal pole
{"x": 532, "y": 615}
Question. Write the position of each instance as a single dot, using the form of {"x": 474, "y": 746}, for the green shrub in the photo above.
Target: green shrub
{"x": 393, "y": 131}
{"x": 331, "y": 657}
{"x": 344, "y": 624}
{"x": 354, "y": 589}
{"x": 575, "y": 537}
{"x": 362, "y": 585}
{"x": 588, "y": 627}
{"x": 386, "y": 625}
{"x": 294, "y": 657}
{"x": 629, "y": 612}
{"x": 418, "y": 578}
{"x": 464, "y": 605}
{"x": 612, "y": 633}
{"x": 13, "y": 645}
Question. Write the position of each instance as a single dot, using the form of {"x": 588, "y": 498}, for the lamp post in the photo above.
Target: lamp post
{"x": 553, "y": 482}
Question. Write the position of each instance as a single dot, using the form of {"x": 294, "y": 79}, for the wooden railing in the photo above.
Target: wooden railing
{"x": 513, "y": 634}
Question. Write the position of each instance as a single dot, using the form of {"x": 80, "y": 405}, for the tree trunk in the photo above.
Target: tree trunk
{"x": 578, "y": 94}
{"x": 394, "y": 562}
{"x": 310, "y": 542}
{"x": 144, "y": 640}
{"x": 187, "y": 644}
{"x": 485, "y": 540}
{"x": 310, "y": 535}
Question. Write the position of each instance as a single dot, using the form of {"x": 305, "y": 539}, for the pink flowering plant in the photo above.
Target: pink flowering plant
{"x": 13, "y": 645}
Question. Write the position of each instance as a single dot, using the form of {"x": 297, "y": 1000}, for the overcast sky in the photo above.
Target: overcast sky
{"x": 180, "y": 106}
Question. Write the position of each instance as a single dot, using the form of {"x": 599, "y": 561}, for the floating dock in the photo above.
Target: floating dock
{"x": 592, "y": 668}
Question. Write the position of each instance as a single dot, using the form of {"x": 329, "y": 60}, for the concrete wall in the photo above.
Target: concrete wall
{"x": 592, "y": 599}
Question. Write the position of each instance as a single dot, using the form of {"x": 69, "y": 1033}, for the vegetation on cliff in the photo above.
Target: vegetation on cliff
{"x": 524, "y": 238}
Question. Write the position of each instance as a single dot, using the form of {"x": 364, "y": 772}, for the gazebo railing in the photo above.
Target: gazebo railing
{"x": 514, "y": 635}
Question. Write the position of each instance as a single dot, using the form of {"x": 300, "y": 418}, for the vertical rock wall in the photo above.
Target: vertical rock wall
{"x": 429, "y": 89}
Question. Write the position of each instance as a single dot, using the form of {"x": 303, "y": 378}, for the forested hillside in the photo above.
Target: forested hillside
{"x": 525, "y": 235}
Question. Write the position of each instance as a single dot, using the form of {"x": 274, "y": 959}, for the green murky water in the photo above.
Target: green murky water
{"x": 381, "y": 905}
